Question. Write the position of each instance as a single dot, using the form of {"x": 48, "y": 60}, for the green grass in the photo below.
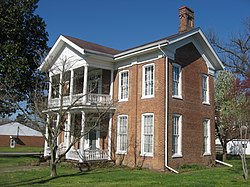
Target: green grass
{"x": 14, "y": 161}
{"x": 114, "y": 176}
{"x": 20, "y": 149}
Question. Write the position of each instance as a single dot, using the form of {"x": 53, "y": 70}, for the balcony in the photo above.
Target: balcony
{"x": 80, "y": 99}
{"x": 80, "y": 87}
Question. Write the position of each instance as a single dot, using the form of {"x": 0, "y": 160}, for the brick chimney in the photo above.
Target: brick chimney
{"x": 186, "y": 16}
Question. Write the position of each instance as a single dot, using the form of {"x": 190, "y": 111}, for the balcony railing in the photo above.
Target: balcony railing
{"x": 79, "y": 99}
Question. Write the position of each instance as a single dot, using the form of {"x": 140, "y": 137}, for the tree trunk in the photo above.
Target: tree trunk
{"x": 53, "y": 172}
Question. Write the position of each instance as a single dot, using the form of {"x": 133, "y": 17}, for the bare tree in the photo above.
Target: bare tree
{"x": 235, "y": 53}
{"x": 51, "y": 120}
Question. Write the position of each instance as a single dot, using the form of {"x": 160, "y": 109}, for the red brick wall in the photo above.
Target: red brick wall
{"x": 190, "y": 107}
{"x": 23, "y": 141}
{"x": 134, "y": 108}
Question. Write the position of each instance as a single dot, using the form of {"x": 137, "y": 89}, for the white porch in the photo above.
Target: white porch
{"x": 91, "y": 144}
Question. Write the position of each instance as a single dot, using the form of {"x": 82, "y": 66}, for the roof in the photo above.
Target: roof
{"x": 15, "y": 128}
{"x": 88, "y": 47}
{"x": 92, "y": 46}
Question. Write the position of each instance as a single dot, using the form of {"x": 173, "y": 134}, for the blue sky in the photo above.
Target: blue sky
{"x": 122, "y": 24}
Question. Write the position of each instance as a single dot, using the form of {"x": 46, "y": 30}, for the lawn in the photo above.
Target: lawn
{"x": 21, "y": 149}
{"x": 117, "y": 176}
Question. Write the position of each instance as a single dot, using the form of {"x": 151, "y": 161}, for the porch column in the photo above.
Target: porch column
{"x": 46, "y": 135}
{"x": 68, "y": 133}
{"x": 71, "y": 85}
{"x": 60, "y": 90}
{"x": 109, "y": 135}
{"x": 85, "y": 84}
{"x": 56, "y": 131}
{"x": 50, "y": 87}
{"x": 111, "y": 84}
{"x": 82, "y": 156}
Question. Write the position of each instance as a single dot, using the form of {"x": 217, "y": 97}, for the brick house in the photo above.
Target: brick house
{"x": 161, "y": 96}
{"x": 14, "y": 134}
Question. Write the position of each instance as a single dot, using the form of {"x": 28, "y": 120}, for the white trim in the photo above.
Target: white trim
{"x": 111, "y": 84}
{"x": 207, "y": 122}
{"x": 179, "y": 151}
{"x": 138, "y": 63}
{"x": 118, "y": 151}
{"x": 85, "y": 84}
{"x": 143, "y": 81}
{"x": 207, "y": 101}
{"x": 119, "y": 86}
{"x": 179, "y": 96}
{"x": 142, "y": 135}
{"x": 109, "y": 136}
{"x": 81, "y": 159}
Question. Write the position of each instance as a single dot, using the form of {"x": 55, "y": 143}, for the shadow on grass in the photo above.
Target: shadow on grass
{"x": 45, "y": 179}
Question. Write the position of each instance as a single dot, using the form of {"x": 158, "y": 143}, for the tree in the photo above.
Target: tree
{"x": 235, "y": 53}
{"x": 231, "y": 108}
{"x": 22, "y": 43}
{"x": 41, "y": 116}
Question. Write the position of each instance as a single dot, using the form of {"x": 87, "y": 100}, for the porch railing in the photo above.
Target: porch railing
{"x": 95, "y": 155}
{"x": 91, "y": 99}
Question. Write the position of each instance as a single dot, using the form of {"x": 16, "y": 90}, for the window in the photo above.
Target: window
{"x": 205, "y": 97}
{"x": 78, "y": 80}
{"x": 176, "y": 135}
{"x": 147, "y": 134}
{"x": 66, "y": 83}
{"x": 55, "y": 86}
{"x": 176, "y": 80}
{"x": 123, "y": 85}
{"x": 122, "y": 134}
{"x": 148, "y": 81}
{"x": 206, "y": 137}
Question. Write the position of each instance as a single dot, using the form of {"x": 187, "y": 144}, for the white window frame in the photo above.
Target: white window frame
{"x": 144, "y": 94}
{"x": 205, "y": 90}
{"x": 121, "y": 90}
{"x": 143, "y": 134}
{"x": 177, "y": 153}
{"x": 179, "y": 82}
{"x": 119, "y": 151}
{"x": 206, "y": 137}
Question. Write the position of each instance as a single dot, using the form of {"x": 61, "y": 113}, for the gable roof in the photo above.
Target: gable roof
{"x": 88, "y": 47}
{"x": 92, "y": 46}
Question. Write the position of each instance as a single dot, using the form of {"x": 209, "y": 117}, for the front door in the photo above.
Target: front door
{"x": 91, "y": 139}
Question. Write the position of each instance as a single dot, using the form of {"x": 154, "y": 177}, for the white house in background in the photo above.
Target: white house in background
{"x": 235, "y": 147}
{"x": 16, "y": 134}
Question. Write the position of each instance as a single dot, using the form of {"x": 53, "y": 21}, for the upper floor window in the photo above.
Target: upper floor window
{"x": 176, "y": 80}
{"x": 78, "y": 80}
{"x": 66, "y": 83}
{"x": 205, "y": 90}
{"x": 147, "y": 134}
{"x": 55, "y": 86}
{"x": 122, "y": 134}
{"x": 206, "y": 137}
{"x": 176, "y": 135}
{"x": 123, "y": 85}
{"x": 148, "y": 81}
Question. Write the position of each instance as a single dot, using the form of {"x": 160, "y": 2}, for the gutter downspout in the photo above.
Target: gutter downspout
{"x": 166, "y": 113}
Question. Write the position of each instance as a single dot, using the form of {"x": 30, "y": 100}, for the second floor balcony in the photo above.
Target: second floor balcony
{"x": 81, "y": 86}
